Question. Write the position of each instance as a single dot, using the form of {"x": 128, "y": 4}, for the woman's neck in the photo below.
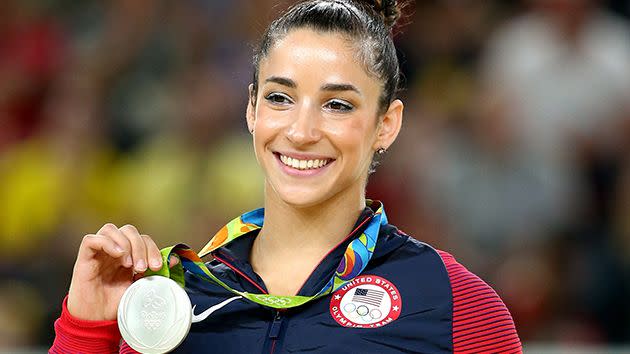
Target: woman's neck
{"x": 293, "y": 240}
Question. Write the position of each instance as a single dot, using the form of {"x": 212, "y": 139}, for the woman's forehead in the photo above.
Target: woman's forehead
{"x": 307, "y": 44}
{"x": 315, "y": 55}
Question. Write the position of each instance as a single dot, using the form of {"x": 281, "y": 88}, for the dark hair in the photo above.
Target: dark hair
{"x": 367, "y": 23}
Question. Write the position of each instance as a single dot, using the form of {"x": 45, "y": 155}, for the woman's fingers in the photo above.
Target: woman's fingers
{"x": 111, "y": 231}
{"x": 137, "y": 251}
{"x": 98, "y": 278}
{"x": 153, "y": 253}
{"x": 95, "y": 243}
{"x": 138, "y": 247}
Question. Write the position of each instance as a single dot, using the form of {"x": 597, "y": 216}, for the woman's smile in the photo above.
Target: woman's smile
{"x": 299, "y": 165}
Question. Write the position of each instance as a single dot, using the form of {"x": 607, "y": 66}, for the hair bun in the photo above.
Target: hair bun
{"x": 389, "y": 11}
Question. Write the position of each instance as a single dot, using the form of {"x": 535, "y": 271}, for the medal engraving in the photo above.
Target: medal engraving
{"x": 154, "y": 315}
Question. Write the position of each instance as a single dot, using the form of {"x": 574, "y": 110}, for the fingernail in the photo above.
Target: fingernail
{"x": 141, "y": 265}
{"x": 128, "y": 261}
{"x": 156, "y": 263}
{"x": 118, "y": 249}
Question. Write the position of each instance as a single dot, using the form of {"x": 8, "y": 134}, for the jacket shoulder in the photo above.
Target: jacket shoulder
{"x": 481, "y": 321}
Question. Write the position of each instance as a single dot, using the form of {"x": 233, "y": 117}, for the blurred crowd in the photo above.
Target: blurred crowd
{"x": 514, "y": 155}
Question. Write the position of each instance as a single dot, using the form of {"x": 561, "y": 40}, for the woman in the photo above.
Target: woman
{"x": 322, "y": 104}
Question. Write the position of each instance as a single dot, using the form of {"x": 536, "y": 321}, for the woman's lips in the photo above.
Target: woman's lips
{"x": 303, "y": 165}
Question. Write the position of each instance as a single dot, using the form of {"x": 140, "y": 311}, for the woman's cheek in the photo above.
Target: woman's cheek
{"x": 273, "y": 121}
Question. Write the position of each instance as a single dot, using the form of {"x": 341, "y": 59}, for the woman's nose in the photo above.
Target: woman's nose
{"x": 305, "y": 127}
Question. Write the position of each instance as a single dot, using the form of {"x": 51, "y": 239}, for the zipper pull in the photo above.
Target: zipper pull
{"x": 274, "y": 331}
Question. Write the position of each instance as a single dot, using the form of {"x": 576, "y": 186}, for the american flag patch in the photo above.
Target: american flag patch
{"x": 368, "y": 296}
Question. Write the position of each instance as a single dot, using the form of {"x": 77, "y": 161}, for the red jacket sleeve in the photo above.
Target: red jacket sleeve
{"x": 481, "y": 321}
{"x": 73, "y": 335}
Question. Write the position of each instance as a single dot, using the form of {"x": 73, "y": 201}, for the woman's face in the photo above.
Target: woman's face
{"x": 315, "y": 120}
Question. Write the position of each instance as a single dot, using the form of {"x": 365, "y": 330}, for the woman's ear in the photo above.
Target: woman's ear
{"x": 251, "y": 109}
{"x": 389, "y": 126}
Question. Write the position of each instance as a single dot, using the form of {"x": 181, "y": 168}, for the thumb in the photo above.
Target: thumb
{"x": 172, "y": 261}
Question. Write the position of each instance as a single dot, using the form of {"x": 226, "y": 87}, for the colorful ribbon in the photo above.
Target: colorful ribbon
{"x": 355, "y": 258}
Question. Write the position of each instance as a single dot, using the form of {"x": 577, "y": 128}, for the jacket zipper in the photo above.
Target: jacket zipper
{"x": 274, "y": 330}
{"x": 276, "y": 324}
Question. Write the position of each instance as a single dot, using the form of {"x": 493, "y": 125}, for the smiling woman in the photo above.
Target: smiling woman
{"x": 319, "y": 268}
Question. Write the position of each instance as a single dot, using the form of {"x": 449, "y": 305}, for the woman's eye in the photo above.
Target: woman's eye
{"x": 278, "y": 98}
{"x": 339, "y": 105}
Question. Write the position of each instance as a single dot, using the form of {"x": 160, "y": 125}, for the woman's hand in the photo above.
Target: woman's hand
{"x": 107, "y": 264}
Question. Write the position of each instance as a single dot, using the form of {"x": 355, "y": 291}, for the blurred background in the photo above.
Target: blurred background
{"x": 514, "y": 155}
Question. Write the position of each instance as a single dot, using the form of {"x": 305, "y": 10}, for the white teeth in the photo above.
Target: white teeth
{"x": 303, "y": 164}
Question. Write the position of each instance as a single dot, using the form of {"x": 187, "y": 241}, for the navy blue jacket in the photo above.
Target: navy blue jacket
{"x": 416, "y": 270}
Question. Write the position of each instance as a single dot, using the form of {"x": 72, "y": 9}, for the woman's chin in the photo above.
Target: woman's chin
{"x": 301, "y": 198}
{"x": 302, "y": 202}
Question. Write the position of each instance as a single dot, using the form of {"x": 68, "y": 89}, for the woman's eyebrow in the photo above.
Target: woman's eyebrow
{"x": 326, "y": 87}
{"x": 282, "y": 81}
{"x": 340, "y": 87}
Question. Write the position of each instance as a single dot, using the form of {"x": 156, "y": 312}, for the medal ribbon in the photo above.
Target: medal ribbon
{"x": 355, "y": 259}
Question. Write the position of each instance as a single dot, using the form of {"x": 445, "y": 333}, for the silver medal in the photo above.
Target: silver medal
{"x": 154, "y": 315}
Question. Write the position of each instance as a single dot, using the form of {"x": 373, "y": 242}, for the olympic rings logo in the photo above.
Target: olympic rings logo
{"x": 274, "y": 300}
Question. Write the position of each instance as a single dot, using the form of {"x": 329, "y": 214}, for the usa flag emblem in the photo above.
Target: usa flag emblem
{"x": 368, "y": 296}
{"x": 368, "y": 301}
